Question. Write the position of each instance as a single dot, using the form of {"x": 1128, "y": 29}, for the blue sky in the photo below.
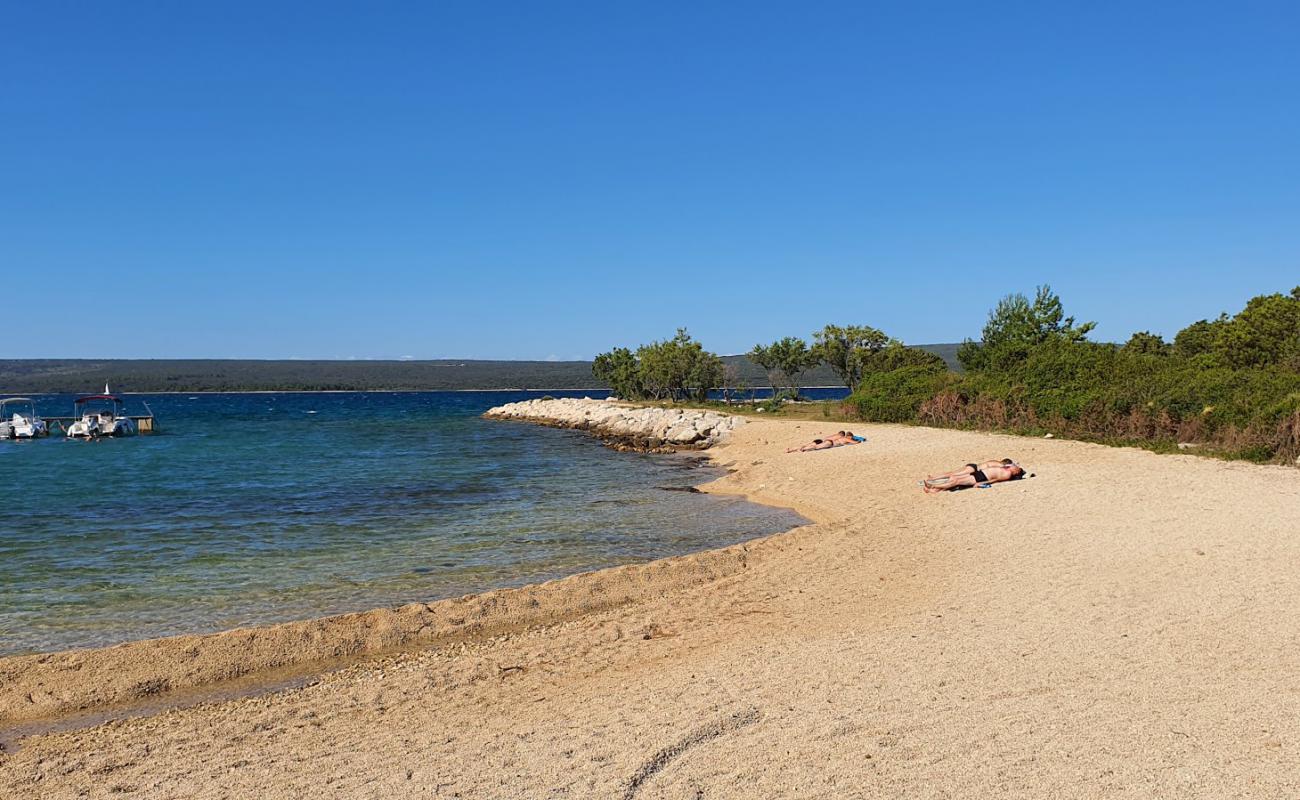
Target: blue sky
{"x": 533, "y": 180}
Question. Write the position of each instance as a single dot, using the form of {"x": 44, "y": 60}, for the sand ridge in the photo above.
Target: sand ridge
{"x": 1125, "y": 624}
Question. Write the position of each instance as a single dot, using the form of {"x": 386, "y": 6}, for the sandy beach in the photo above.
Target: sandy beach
{"x": 1124, "y": 624}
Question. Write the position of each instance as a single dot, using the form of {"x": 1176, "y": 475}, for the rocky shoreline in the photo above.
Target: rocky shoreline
{"x": 624, "y": 427}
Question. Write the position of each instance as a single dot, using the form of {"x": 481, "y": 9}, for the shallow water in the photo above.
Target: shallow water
{"x": 258, "y": 508}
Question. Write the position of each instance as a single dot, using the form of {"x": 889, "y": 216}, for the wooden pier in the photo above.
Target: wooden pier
{"x": 143, "y": 423}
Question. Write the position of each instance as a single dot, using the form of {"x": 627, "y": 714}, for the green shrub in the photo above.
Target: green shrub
{"x": 896, "y": 395}
{"x": 1232, "y": 384}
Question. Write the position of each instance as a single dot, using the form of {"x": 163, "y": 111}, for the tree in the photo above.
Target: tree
{"x": 677, "y": 368}
{"x": 846, "y": 349}
{"x": 733, "y": 382}
{"x": 1199, "y": 337}
{"x": 661, "y": 371}
{"x": 898, "y": 355}
{"x": 785, "y": 360}
{"x": 1266, "y": 331}
{"x": 705, "y": 373}
{"x": 1147, "y": 343}
{"x": 1017, "y": 326}
{"x": 619, "y": 370}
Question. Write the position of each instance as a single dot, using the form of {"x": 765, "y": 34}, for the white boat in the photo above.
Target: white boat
{"x": 23, "y": 423}
{"x": 99, "y": 415}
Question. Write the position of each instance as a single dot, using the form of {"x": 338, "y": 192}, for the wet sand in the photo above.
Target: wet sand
{"x": 1122, "y": 625}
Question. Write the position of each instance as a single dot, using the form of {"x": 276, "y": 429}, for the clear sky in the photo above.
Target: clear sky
{"x": 549, "y": 179}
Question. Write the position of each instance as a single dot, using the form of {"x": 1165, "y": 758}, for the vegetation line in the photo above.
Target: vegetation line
{"x": 1228, "y": 387}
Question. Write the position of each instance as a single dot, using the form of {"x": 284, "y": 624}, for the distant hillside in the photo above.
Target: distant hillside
{"x": 38, "y": 376}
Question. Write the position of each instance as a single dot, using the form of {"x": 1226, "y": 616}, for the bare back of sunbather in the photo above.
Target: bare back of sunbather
{"x": 989, "y": 472}
{"x": 836, "y": 439}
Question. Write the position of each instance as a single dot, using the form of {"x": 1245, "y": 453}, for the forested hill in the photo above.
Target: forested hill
{"x": 36, "y": 376}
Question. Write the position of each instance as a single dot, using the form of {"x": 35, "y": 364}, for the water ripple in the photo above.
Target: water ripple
{"x": 251, "y": 511}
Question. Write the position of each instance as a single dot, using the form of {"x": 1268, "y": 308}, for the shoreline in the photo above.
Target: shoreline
{"x": 188, "y": 665}
{"x": 1072, "y": 635}
{"x": 36, "y": 695}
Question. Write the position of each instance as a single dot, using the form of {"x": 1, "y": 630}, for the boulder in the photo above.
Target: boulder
{"x": 627, "y": 428}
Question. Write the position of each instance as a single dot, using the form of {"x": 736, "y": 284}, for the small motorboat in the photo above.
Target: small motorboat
{"x": 19, "y": 420}
{"x": 99, "y": 415}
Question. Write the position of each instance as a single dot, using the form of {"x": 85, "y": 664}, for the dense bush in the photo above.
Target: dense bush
{"x": 896, "y": 395}
{"x": 1103, "y": 392}
{"x": 1232, "y": 384}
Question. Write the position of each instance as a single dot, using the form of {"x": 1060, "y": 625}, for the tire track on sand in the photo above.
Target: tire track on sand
{"x": 699, "y": 736}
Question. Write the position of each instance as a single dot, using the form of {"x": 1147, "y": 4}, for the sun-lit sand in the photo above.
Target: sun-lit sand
{"x": 1122, "y": 625}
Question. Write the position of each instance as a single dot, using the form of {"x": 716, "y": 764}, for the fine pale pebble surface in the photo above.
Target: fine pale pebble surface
{"x": 1124, "y": 624}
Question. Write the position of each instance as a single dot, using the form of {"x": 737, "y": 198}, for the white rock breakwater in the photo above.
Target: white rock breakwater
{"x": 625, "y": 427}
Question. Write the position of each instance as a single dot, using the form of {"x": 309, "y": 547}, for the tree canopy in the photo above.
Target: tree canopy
{"x": 846, "y": 349}
{"x": 1016, "y": 326}
{"x": 619, "y": 369}
{"x": 786, "y": 360}
{"x": 672, "y": 369}
{"x": 1147, "y": 343}
{"x": 1266, "y": 331}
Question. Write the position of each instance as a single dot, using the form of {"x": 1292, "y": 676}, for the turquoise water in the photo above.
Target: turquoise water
{"x": 259, "y": 508}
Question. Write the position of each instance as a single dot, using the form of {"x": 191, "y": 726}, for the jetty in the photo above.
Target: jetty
{"x": 144, "y": 423}
{"x": 141, "y": 423}
{"x": 625, "y": 427}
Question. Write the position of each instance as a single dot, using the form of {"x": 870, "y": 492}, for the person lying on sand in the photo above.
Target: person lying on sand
{"x": 969, "y": 469}
{"x": 973, "y": 475}
{"x": 837, "y": 439}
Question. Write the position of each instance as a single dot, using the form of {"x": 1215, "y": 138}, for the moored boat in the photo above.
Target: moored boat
{"x": 19, "y": 420}
{"x": 99, "y": 415}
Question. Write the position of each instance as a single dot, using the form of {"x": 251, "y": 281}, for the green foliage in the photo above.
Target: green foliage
{"x": 897, "y": 355}
{"x": 847, "y": 349}
{"x": 677, "y": 368}
{"x": 705, "y": 373}
{"x": 1100, "y": 391}
{"x": 785, "y": 360}
{"x": 620, "y": 371}
{"x": 896, "y": 395}
{"x": 1232, "y": 384}
{"x": 1148, "y": 343}
{"x": 673, "y": 369}
{"x": 1267, "y": 331}
{"x": 1199, "y": 337}
{"x": 1016, "y": 326}
{"x": 1264, "y": 333}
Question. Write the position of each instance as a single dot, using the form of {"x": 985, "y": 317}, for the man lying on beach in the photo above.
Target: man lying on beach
{"x": 973, "y": 475}
{"x": 838, "y": 439}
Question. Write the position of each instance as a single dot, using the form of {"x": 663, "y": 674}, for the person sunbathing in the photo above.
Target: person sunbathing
{"x": 969, "y": 469}
{"x": 973, "y": 475}
{"x": 837, "y": 439}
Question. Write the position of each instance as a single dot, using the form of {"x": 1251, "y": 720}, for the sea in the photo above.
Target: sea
{"x": 256, "y": 508}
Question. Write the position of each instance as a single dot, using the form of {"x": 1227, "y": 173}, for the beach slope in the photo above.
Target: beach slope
{"x": 1122, "y": 625}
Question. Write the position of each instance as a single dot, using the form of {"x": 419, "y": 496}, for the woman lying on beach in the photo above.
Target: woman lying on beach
{"x": 973, "y": 475}
{"x": 838, "y": 439}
